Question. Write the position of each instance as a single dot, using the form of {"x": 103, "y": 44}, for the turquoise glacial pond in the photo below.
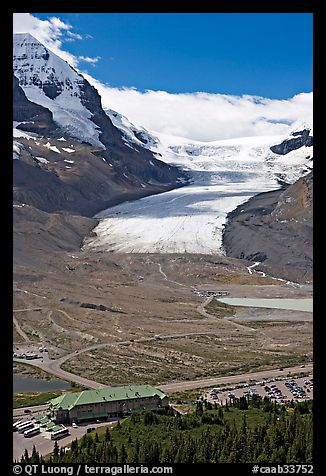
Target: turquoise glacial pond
{"x": 272, "y": 303}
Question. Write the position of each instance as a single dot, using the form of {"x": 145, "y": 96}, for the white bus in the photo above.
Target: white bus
{"x": 25, "y": 426}
{"x": 17, "y": 423}
{"x": 32, "y": 431}
{"x": 23, "y": 423}
{"x": 60, "y": 433}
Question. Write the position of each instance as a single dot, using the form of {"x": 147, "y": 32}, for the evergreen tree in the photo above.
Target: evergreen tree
{"x": 114, "y": 454}
{"x": 244, "y": 425}
{"x": 132, "y": 455}
{"x": 25, "y": 457}
{"x": 56, "y": 451}
{"x": 243, "y": 403}
{"x": 74, "y": 448}
{"x": 122, "y": 457}
{"x": 35, "y": 457}
{"x": 107, "y": 436}
{"x": 281, "y": 437}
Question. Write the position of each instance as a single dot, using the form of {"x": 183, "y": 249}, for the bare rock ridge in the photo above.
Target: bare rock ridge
{"x": 31, "y": 116}
{"x": 276, "y": 229}
{"x": 298, "y": 139}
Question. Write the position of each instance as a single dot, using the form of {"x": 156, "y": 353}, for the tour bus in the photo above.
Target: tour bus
{"x": 17, "y": 423}
{"x": 32, "y": 431}
{"x": 55, "y": 435}
{"x": 25, "y": 426}
{"x": 23, "y": 423}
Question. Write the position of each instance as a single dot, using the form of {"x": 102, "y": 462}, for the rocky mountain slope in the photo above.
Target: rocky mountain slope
{"x": 38, "y": 234}
{"x": 70, "y": 154}
{"x": 73, "y": 158}
{"x": 276, "y": 230}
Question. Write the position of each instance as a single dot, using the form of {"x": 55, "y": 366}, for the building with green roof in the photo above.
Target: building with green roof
{"x": 106, "y": 402}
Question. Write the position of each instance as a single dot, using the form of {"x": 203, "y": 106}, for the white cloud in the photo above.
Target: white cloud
{"x": 199, "y": 116}
{"x": 51, "y": 33}
{"x": 48, "y": 32}
{"x": 88, "y": 59}
{"x": 59, "y": 24}
{"x": 73, "y": 36}
{"x": 204, "y": 116}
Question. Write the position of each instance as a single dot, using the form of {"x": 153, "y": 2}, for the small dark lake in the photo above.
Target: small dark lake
{"x": 31, "y": 384}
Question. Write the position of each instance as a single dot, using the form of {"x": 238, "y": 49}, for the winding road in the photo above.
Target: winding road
{"x": 200, "y": 383}
{"x": 54, "y": 366}
{"x": 210, "y": 381}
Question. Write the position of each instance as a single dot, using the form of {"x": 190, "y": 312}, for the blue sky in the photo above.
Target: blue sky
{"x": 200, "y": 76}
{"x": 263, "y": 54}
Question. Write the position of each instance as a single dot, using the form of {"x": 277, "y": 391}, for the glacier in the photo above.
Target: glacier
{"x": 190, "y": 219}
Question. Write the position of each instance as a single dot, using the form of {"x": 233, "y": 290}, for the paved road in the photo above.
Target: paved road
{"x": 207, "y": 382}
{"x": 17, "y": 412}
{"x": 211, "y": 381}
{"x": 51, "y": 366}
{"x": 202, "y": 311}
{"x": 45, "y": 446}
{"x": 54, "y": 366}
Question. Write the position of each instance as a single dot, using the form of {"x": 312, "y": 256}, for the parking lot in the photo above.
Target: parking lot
{"x": 281, "y": 390}
{"x": 43, "y": 443}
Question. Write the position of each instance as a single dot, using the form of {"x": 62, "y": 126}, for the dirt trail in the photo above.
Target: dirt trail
{"x": 20, "y": 330}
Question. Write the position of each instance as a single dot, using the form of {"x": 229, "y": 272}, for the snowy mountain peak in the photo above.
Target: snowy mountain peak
{"x": 51, "y": 82}
{"x": 25, "y": 38}
{"x": 35, "y": 65}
